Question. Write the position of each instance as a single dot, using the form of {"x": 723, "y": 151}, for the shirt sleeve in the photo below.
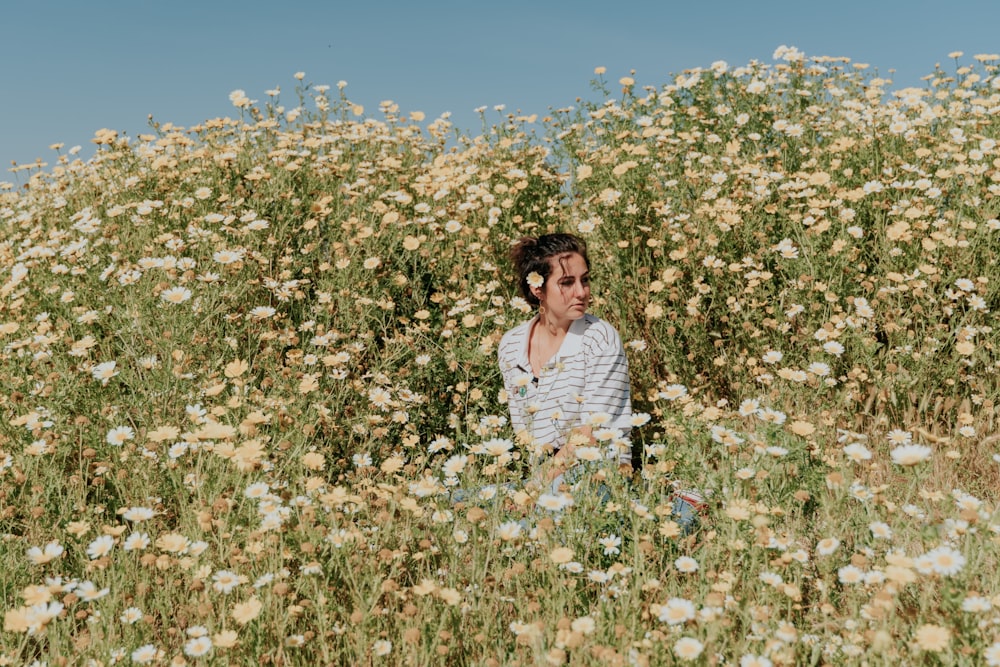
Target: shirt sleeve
{"x": 607, "y": 387}
{"x": 515, "y": 404}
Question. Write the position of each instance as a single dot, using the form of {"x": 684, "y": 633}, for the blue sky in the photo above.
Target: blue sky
{"x": 70, "y": 68}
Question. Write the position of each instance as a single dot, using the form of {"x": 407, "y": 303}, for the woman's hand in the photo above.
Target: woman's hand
{"x": 560, "y": 463}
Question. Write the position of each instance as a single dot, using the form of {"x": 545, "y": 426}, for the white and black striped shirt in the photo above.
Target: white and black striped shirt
{"x": 587, "y": 376}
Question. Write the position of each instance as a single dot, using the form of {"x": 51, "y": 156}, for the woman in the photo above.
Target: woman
{"x": 564, "y": 370}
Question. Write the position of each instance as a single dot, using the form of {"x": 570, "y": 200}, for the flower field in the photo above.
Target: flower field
{"x": 249, "y": 365}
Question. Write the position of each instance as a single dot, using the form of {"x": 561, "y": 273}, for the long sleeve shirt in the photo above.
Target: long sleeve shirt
{"x": 585, "y": 383}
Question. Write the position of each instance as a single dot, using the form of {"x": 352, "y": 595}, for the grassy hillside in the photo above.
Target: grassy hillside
{"x": 247, "y": 364}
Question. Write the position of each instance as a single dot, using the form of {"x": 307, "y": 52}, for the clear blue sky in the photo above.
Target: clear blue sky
{"x": 71, "y": 67}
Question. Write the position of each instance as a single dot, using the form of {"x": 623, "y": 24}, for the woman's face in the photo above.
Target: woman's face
{"x": 566, "y": 292}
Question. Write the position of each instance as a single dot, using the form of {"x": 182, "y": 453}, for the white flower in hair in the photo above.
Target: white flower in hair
{"x": 535, "y": 279}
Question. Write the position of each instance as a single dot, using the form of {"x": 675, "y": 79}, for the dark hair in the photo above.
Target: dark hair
{"x": 532, "y": 255}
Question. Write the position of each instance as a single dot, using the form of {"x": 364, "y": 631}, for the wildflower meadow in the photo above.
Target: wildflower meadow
{"x": 252, "y": 414}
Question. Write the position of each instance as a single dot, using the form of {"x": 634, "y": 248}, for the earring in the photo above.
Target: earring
{"x": 541, "y": 308}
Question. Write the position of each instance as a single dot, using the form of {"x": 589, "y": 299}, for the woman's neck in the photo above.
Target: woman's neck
{"x": 555, "y": 329}
{"x": 544, "y": 341}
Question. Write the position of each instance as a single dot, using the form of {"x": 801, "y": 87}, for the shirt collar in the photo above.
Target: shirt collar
{"x": 571, "y": 345}
{"x": 574, "y": 338}
{"x": 522, "y": 360}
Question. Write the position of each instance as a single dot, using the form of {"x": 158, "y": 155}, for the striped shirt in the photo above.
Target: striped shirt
{"x": 587, "y": 376}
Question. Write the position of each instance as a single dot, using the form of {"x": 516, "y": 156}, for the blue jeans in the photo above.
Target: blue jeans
{"x": 684, "y": 512}
{"x": 685, "y": 515}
